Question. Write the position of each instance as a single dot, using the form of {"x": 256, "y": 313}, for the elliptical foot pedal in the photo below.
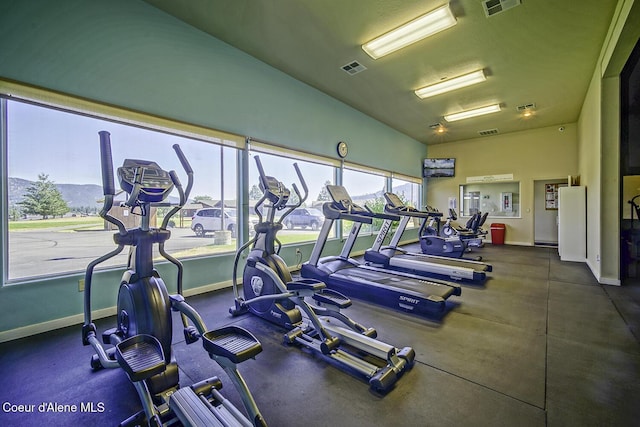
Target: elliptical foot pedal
{"x": 234, "y": 343}
{"x": 306, "y": 285}
{"x": 141, "y": 357}
{"x": 331, "y": 297}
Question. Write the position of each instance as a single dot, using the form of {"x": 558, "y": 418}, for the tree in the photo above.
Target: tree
{"x": 14, "y": 212}
{"x": 255, "y": 193}
{"x": 43, "y": 198}
{"x": 324, "y": 194}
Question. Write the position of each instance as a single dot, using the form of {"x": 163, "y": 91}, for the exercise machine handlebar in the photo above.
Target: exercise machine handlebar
{"x": 108, "y": 184}
{"x": 107, "y": 164}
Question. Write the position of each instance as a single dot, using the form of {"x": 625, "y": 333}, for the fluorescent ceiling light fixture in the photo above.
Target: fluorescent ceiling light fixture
{"x": 472, "y": 113}
{"x": 433, "y": 22}
{"x": 451, "y": 84}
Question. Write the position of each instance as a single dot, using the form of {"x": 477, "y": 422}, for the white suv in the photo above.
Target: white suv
{"x": 209, "y": 219}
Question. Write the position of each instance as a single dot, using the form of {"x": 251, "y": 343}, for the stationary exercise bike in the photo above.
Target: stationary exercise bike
{"x": 432, "y": 243}
{"x": 270, "y": 292}
{"x": 140, "y": 344}
{"x": 471, "y": 234}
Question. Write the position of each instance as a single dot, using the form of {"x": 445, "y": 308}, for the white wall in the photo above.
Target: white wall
{"x": 530, "y": 155}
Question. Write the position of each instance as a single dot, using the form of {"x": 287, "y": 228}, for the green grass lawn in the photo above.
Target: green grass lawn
{"x": 38, "y": 224}
{"x": 79, "y": 222}
{"x": 216, "y": 249}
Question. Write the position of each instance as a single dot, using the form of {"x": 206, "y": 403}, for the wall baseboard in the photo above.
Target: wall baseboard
{"x": 609, "y": 281}
{"x": 516, "y": 243}
{"x": 602, "y": 280}
{"x": 77, "y": 319}
{"x": 39, "y": 328}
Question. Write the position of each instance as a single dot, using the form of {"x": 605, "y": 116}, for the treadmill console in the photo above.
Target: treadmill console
{"x": 155, "y": 183}
{"x": 394, "y": 201}
{"x": 396, "y": 206}
{"x": 342, "y": 200}
{"x": 433, "y": 212}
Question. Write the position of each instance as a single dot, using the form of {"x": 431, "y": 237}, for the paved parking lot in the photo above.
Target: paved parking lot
{"x": 47, "y": 252}
{"x": 58, "y": 251}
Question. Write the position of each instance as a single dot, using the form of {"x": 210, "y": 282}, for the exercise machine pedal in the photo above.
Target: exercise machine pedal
{"x": 141, "y": 357}
{"x": 306, "y": 285}
{"x": 332, "y": 298}
{"x": 232, "y": 342}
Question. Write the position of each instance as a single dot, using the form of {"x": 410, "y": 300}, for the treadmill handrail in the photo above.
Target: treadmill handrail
{"x": 357, "y": 218}
{"x": 407, "y": 211}
{"x": 331, "y": 211}
{"x": 381, "y": 215}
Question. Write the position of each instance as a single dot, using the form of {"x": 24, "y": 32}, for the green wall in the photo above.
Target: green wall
{"x": 129, "y": 54}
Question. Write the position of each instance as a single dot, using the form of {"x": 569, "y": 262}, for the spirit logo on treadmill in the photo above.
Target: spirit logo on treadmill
{"x": 407, "y": 299}
{"x": 386, "y": 225}
{"x": 256, "y": 285}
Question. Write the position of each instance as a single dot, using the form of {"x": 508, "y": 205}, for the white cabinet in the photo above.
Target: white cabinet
{"x": 572, "y": 223}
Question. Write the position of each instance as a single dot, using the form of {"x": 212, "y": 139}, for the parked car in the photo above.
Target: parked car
{"x": 209, "y": 219}
{"x": 304, "y": 217}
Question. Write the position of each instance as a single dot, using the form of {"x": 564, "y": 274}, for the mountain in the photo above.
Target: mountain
{"x": 87, "y": 195}
{"x": 79, "y": 195}
{"x": 76, "y": 195}
{"x": 404, "y": 189}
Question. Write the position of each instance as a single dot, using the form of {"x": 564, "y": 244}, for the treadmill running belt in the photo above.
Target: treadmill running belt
{"x": 362, "y": 275}
{"x": 475, "y": 265}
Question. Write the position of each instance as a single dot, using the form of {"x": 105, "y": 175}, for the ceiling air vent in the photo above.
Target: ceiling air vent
{"x": 494, "y": 7}
{"x": 488, "y": 132}
{"x": 523, "y": 107}
{"x": 353, "y": 67}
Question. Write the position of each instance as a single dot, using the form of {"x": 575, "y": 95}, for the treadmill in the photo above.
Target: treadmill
{"x": 400, "y": 291}
{"x": 393, "y": 258}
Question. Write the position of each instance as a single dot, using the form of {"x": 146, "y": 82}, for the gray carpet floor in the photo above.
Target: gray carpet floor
{"x": 540, "y": 343}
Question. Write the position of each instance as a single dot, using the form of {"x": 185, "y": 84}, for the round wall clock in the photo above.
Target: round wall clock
{"x": 343, "y": 149}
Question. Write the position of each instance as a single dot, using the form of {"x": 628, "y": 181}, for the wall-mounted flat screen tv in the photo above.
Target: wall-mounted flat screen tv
{"x": 437, "y": 168}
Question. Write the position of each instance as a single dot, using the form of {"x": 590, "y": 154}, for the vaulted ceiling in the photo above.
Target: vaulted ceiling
{"x": 541, "y": 52}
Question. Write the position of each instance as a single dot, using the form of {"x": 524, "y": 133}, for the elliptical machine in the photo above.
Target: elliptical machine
{"x": 141, "y": 341}
{"x": 271, "y": 293}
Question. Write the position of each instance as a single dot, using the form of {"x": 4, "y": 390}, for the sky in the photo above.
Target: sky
{"x": 66, "y": 147}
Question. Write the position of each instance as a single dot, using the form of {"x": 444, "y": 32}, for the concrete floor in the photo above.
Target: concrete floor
{"x": 539, "y": 344}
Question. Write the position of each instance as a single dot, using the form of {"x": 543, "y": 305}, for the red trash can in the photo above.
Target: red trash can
{"x": 497, "y": 233}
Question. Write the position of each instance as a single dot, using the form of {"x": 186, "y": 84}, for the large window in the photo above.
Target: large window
{"x": 54, "y": 155}
{"x": 302, "y": 224}
{"x": 366, "y": 187}
{"x": 410, "y": 192}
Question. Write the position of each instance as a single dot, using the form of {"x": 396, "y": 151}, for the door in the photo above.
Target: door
{"x": 545, "y": 212}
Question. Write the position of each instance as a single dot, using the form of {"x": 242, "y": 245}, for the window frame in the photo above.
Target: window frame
{"x": 13, "y": 91}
